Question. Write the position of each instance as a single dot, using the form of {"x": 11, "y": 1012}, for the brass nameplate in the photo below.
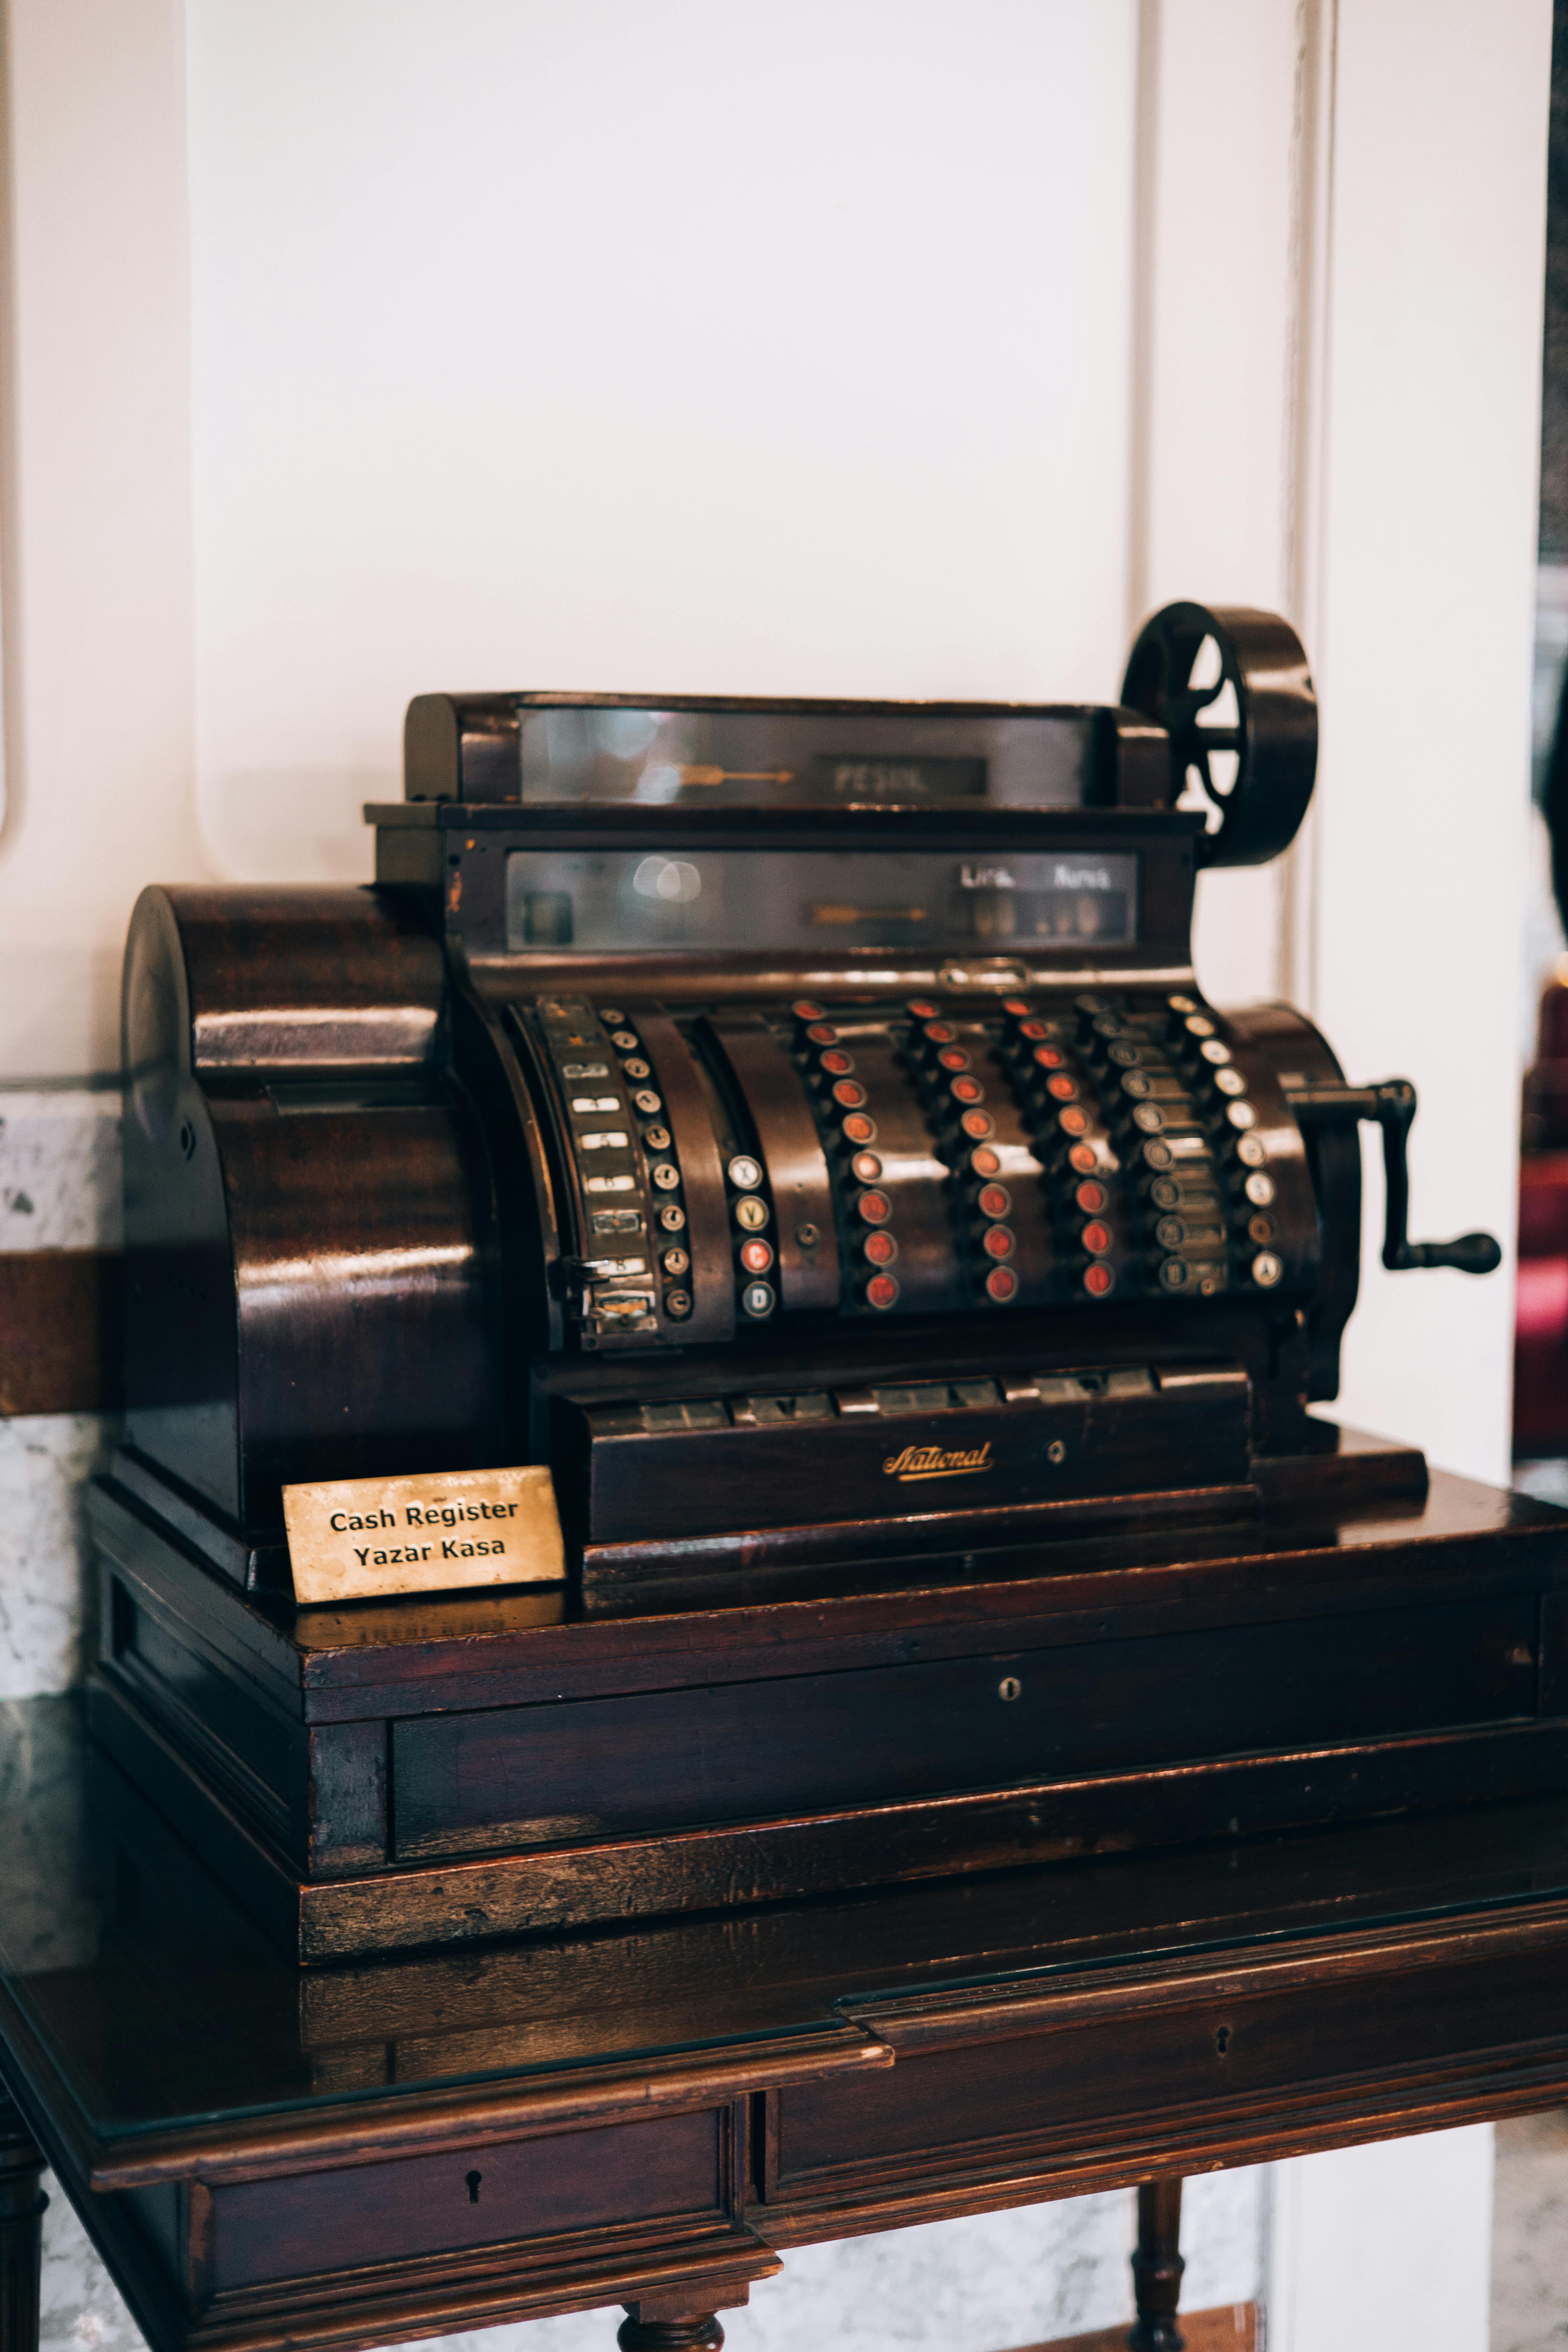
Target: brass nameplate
{"x": 355, "y": 1539}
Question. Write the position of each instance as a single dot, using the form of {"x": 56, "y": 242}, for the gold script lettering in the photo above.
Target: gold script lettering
{"x": 930, "y": 1462}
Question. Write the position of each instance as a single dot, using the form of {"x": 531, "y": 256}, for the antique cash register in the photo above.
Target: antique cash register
{"x": 795, "y": 1135}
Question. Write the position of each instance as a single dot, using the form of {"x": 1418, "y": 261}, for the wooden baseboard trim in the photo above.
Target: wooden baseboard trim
{"x": 1229, "y": 2327}
{"x": 61, "y": 1318}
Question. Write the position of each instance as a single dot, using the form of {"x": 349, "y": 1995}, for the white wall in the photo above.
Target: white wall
{"x": 691, "y": 347}
{"x": 1423, "y": 659}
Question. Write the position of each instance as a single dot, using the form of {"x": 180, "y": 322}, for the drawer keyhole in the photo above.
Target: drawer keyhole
{"x": 474, "y": 2180}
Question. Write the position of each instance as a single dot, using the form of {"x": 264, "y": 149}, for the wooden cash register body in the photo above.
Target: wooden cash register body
{"x": 1013, "y": 1540}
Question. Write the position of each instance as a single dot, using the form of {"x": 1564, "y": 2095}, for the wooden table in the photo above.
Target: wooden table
{"x": 649, "y": 2117}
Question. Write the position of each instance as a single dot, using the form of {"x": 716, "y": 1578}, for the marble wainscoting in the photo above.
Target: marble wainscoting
{"x": 59, "y": 1189}
{"x": 983, "y": 2284}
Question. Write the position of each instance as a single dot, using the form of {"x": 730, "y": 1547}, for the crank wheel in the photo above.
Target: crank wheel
{"x": 1232, "y": 689}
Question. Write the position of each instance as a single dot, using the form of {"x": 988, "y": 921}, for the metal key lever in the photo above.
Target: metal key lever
{"x": 1392, "y": 1106}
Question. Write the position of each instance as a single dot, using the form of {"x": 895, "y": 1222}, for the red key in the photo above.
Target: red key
{"x": 859, "y": 1129}
{"x": 1048, "y": 1057}
{"x": 985, "y": 1162}
{"x": 1074, "y": 1120}
{"x": 875, "y": 1207}
{"x": 998, "y": 1240}
{"x": 822, "y": 1033}
{"x": 756, "y": 1256}
{"x": 953, "y": 1058}
{"x": 996, "y": 1201}
{"x": 1016, "y": 1005}
{"x": 881, "y": 1249}
{"x": 882, "y": 1290}
{"x": 804, "y": 1010}
{"x": 1064, "y": 1088}
{"x": 1081, "y": 1157}
{"x": 1090, "y": 1198}
{"x": 968, "y": 1090}
{"x": 939, "y": 1032}
{"x": 1001, "y": 1284}
{"x": 1098, "y": 1278}
{"x": 1097, "y": 1237}
{"x": 838, "y": 1063}
{"x": 849, "y": 1094}
{"x": 977, "y": 1123}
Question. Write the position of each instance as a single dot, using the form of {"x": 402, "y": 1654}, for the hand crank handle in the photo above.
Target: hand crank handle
{"x": 1392, "y": 1106}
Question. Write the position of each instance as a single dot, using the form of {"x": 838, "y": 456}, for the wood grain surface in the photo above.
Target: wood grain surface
{"x": 62, "y": 1327}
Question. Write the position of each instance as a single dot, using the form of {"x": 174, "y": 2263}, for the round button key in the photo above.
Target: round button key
{"x": 1001, "y": 1284}
{"x": 745, "y": 1173}
{"x": 1214, "y": 1049}
{"x": 822, "y": 1033}
{"x": 985, "y": 1161}
{"x": 1148, "y": 1116}
{"x": 751, "y": 1212}
{"x": 625, "y": 1041}
{"x": 866, "y": 1165}
{"x": 637, "y": 1068}
{"x": 676, "y": 1260}
{"x": 999, "y": 1241}
{"x": 611, "y": 1020}
{"x": 838, "y": 1063}
{"x": 1262, "y": 1229}
{"x": 1164, "y": 1192}
{"x": 1062, "y": 1089}
{"x": 924, "y": 1009}
{"x": 1173, "y": 1273}
{"x": 1241, "y": 1114}
{"x": 995, "y": 1201}
{"x": 881, "y": 1291}
{"x": 1250, "y": 1152}
{"x": 977, "y": 1125}
{"x": 678, "y": 1303}
{"x": 1081, "y": 1158}
{"x": 1181, "y": 1005}
{"x": 1090, "y": 1198}
{"x": 940, "y": 1032}
{"x": 1135, "y": 1084}
{"x": 1267, "y": 1270}
{"x": 1073, "y": 1120}
{"x": 1198, "y": 1024}
{"x": 1231, "y": 1082}
{"x": 1016, "y": 1005}
{"x": 647, "y": 1101}
{"x": 1100, "y": 1279}
{"x": 1034, "y": 1029}
{"x": 665, "y": 1176}
{"x": 1170, "y": 1232}
{"x": 879, "y": 1249}
{"x": 1260, "y": 1189}
{"x": 848, "y": 1094}
{"x": 967, "y": 1090}
{"x": 756, "y": 1256}
{"x": 1125, "y": 1057}
{"x": 804, "y": 1010}
{"x": 757, "y": 1299}
{"x": 953, "y": 1057}
{"x": 1097, "y": 1237}
{"x": 860, "y": 1128}
{"x": 1157, "y": 1154}
{"x": 657, "y": 1137}
{"x": 672, "y": 1218}
{"x": 874, "y": 1207}
{"x": 1049, "y": 1057}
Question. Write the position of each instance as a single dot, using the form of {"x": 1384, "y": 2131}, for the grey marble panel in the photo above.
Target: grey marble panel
{"x": 45, "y": 1461}
{"x": 59, "y": 1169}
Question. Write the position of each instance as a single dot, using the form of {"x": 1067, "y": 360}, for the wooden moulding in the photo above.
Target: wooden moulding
{"x": 61, "y": 1330}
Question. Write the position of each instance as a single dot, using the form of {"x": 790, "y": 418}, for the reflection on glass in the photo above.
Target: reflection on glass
{"x": 812, "y": 900}
{"x": 715, "y": 759}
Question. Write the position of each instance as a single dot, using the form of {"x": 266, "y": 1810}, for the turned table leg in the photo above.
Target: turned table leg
{"x": 21, "y": 2207}
{"x": 690, "y": 2331}
{"x": 1157, "y": 2268}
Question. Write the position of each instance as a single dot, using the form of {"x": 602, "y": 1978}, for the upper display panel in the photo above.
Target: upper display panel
{"x": 716, "y": 759}
{"x": 803, "y": 902}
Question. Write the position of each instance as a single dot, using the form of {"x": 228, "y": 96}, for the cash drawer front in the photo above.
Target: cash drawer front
{"x": 664, "y": 1759}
